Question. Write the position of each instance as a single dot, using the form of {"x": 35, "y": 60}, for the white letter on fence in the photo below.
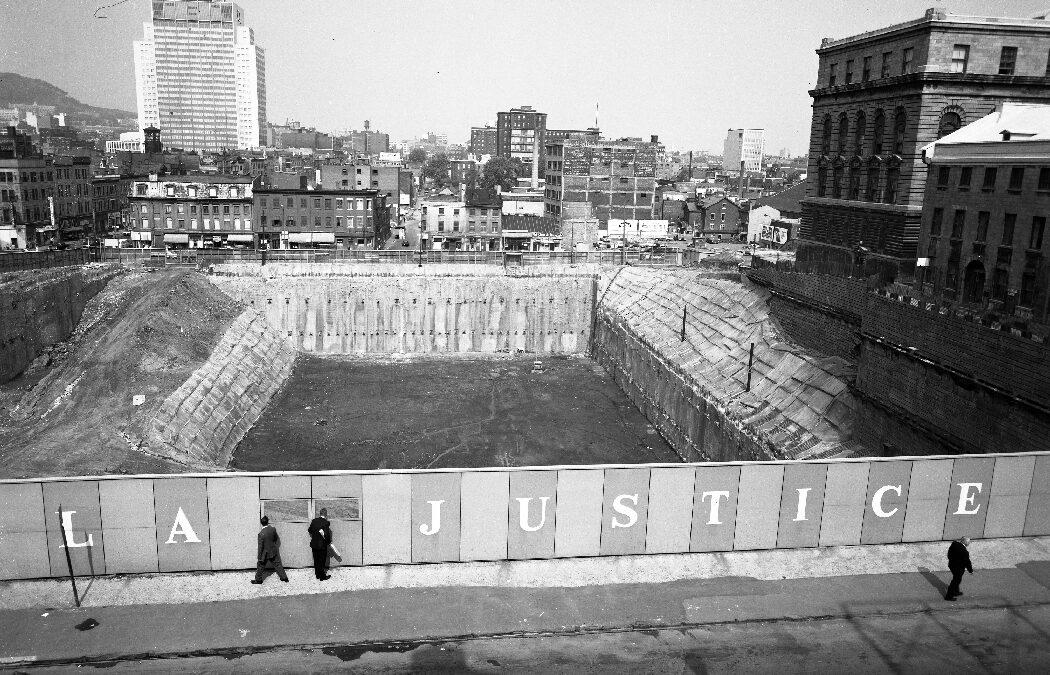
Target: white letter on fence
{"x": 632, "y": 515}
{"x": 182, "y": 526}
{"x": 523, "y": 513}
{"x": 967, "y": 499}
{"x": 715, "y": 496}
{"x": 876, "y": 501}
{"x": 435, "y": 518}
{"x": 801, "y": 513}
{"x": 67, "y": 525}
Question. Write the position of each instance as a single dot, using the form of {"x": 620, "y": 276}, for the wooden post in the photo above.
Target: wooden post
{"x": 69, "y": 561}
{"x": 750, "y": 362}
{"x": 683, "y": 324}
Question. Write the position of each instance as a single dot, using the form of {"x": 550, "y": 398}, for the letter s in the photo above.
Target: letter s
{"x": 618, "y": 506}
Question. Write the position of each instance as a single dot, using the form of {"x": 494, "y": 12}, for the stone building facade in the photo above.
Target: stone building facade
{"x": 317, "y": 218}
{"x": 880, "y": 97}
{"x": 195, "y": 211}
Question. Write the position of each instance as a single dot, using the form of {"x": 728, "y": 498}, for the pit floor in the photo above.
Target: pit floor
{"x": 448, "y": 412}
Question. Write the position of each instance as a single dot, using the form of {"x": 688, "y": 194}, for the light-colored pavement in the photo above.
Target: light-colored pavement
{"x": 222, "y": 614}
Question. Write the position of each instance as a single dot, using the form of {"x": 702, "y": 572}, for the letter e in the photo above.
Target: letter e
{"x": 967, "y": 499}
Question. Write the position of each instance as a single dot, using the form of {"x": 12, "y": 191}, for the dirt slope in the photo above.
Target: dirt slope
{"x": 144, "y": 334}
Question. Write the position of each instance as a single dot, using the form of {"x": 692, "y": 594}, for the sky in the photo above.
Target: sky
{"x": 683, "y": 70}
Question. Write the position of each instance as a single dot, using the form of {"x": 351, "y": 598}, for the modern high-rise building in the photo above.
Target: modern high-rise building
{"x": 483, "y": 140}
{"x": 879, "y": 98}
{"x": 744, "y": 145}
{"x": 200, "y": 77}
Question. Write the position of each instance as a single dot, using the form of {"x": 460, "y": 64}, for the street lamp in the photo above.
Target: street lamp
{"x": 623, "y": 244}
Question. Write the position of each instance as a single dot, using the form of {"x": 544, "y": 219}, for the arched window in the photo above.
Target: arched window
{"x": 843, "y": 132}
{"x": 822, "y": 181}
{"x": 854, "y": 180}
{"x": 878, "y": 132}
{"x": 871, "y": 192}
{"x": 900, "y": 123}
{"x": 836, "y": 180}
{"x": 950, "y": 122}
{"x": 825, "y": 142}
{"x": 893, "y": 176}
{"x": 858, "y": 133}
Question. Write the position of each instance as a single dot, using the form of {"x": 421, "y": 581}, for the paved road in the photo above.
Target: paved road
{"x": 901, "y": 606}
{"x": 955, "y": 640}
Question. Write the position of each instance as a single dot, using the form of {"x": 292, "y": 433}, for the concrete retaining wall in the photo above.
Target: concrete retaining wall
{"x": 118, "y": 524}
{"x": 201, "y": 423}
{"x": 693, "y": 390}
{"x": 40, "y": 308}
{"x": 423, "y": 313}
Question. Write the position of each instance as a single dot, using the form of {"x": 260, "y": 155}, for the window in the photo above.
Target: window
{"x": 849, "y": 71}
{"x": 169, "y": 190}
{"x": 893, "y": 176}
{"x": 1035, "y": 240}
{"x": 338, "y": 221}
{"x": 213, "y": 191}
{"x": 935, "y": 222}
{"x": 234, "y": 193}
{"x": 865, "y": 73}
{"x": 854, "y": 182}
{"x": 276, "y": 202}
{"x": 302, "y": 202}
{"x": 328, "y": 204}
{"x": 825, "y": 141}
{"x": 878, "y": 132}
{"x": 958, "y": 224}
{"x": 339, "y": 203}
{"x": 944, "y": 175}
{"x": 832, "y": 74}
{"x": 989, "y": 179}
{"x": 965, "y": 177}
{"x": 906, "y": 60}
{"x": 1009, "y": 221}
{"x": 1007, "y": 60}
{"x": 836, "y": 182}
{"x": 290, "y": 202}
{"x": 843, "y": 133}
{"x": 886, "y": 57}
{"x": 950, "y": 121}
{"x": 167, "y": 208}
{"x": 858, "y": 133}
{"x": 328, "y": 221}
{"x": 226, "y": 209}
{"x": 140, "y": 189}
{"x": 317, "y": 202}
{"x": 317, "y": 222}
{"x": 900, "y": 124}
{"x": 822, "y": 181}
{"x": 1000, "y": 282}
{"x": 960, "y": 58}
{"x": 1016, "y": 179}
{"x": 1044, "y": 178}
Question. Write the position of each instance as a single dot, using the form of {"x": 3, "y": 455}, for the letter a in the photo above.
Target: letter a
{"x": 523, "y": 513}
{"x": 435, "y": 518}
{"x": 67, "y": 525}
{"x": 182, "y": 526}
{"x": 620, "y": 507}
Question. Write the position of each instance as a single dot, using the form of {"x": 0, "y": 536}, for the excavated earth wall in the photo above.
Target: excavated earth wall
{"x": 201, "y": 423}
{"x": 424, "y": 310}
{"x": 694, "y": 390}
{"x": 43, "y": 307}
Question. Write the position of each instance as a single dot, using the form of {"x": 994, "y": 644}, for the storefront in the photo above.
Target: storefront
{"x": 311, "y": 240}
{"x": 176, "y": 240}
{"x": 141, "y": 239}
{"x": 241, "y": 240}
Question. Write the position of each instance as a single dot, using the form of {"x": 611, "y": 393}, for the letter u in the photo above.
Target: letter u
{"x": 523, "y": 513}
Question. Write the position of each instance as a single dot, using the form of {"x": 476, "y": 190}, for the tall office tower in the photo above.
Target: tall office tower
{"x": 744, "y": 145}
{"x": 879, "y": 98}
{"x": 522, "y": 133}
{"x": 200, "y": 77}
{"x": 483, "y": 140}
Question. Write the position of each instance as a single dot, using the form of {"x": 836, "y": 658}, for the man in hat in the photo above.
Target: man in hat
{"x": 320, "y": 539}
{"x": 958, "y": 562}
{"x": 269, "y": 553}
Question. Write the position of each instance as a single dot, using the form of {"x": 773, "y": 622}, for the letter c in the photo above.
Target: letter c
{"x": 876, "y": 500}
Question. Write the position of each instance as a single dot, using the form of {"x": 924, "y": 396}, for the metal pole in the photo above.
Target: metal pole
{"x": 683, "y": 324}
{"x": 69, "y": 561}
{"x": 750, "y": 362}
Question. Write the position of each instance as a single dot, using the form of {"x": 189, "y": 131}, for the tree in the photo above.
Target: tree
{"x": 418, "y": 155}
{"x": 438, "y": 170}
{"x": 502, "y": 172}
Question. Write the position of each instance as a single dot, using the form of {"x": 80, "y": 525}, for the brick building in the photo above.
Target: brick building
{"x": 317, "y": 218}
{"x": 716, "y": 218}
{"x": 522, "y": 133}
{"x": 617, "y": 177}
{"x": 483, "y": 141}
{"x": 110, "y": 209}
{"x": 983, "y": 239}
{"x": 883, "y": 95}
{"x": 200, "y": 211}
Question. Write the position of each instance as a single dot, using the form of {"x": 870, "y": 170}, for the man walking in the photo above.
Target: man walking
{"x": 320, "y": 539}
{"x": 269, "y": 554}
{"x": 958, "y": 562}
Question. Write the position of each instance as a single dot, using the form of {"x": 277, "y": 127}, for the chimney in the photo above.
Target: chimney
{"x": 654, "y": 139}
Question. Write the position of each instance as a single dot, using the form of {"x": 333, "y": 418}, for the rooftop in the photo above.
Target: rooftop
{"x": 1017, "y": 131}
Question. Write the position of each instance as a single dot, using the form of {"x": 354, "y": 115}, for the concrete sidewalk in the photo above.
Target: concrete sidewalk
{"x": 505, "y": 599}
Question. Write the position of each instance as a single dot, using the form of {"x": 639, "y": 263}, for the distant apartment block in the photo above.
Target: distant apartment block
{"x": 483, "y": 141}
{"x": 200, "y": 77}
{"x": 744, "y": 146}
{"x": 617, "y": 178}
{"x": 521, "y": 133}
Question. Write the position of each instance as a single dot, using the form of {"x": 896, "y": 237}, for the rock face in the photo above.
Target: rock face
{"x": 201, "y": 423}
{"x": 694, "y": 390}
{"x": 40, "y": 308}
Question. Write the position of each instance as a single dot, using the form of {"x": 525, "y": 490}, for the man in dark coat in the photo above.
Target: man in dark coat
{"x": 320, "y": 539}
{"x": 958, "y": 562}
{"x": 269, "y": 553}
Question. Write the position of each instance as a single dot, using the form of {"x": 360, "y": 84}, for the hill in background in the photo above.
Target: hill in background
{"x": 15, "y": 88}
